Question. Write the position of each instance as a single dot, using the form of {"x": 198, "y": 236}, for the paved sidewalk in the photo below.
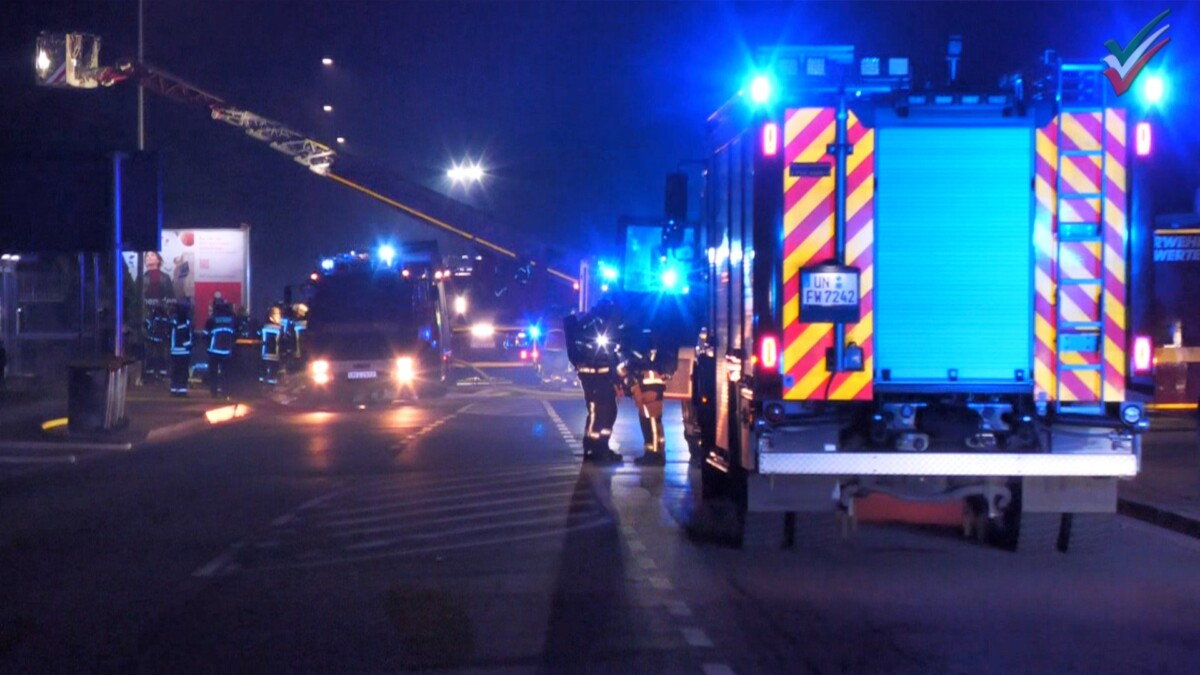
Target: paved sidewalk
{"x": 1167, "y": 491}
{"x": 35, "y": 435}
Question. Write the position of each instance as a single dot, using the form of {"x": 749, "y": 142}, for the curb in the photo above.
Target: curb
{"x": 211, "y": 418}
{"x": 1159, "y": 517}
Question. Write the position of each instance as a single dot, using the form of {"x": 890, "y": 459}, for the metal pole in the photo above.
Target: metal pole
{"x": 82, "y": 260}
{"x": 839, "y": 225}
{"x": 118, "y": 265}
{"x": 140, "y": 283}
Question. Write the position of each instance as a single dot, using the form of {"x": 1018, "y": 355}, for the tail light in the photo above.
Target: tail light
{"x": 1142, "y": 139}
{"x": 534, "y": 354}
{"x": 524, "y": 354}
{"x": 1143, "y": 354}
{"x": 770, "y": 139}
{"x": 768, "y": 352}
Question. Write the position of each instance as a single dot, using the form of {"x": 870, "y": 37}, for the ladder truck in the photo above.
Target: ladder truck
{"x": 72, "y": 60}
{"x": 922, "y": 296}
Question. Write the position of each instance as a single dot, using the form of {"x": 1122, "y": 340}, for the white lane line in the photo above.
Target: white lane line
{"x": 425, "y": 522}
{"x": 636, "y": 546}
{"x": 348, "y": 515}
{"x": 645, "y": 563}
{"x": 434, "y": 536}
{"x": 661, "y": 583}
{"x": 679, "y": 608}
{"x": 214, "y": 566}
{"x": 716, "y": 669}
{"x": 445, "y": 509}
{"x": 562, "y": 426}
{"x": 391, "y": 484}
{"x": 532, "y": 536}
{"x": 62, "y": 459}
{"x": 364, "y": 504}
{"x": 696, "y": 637}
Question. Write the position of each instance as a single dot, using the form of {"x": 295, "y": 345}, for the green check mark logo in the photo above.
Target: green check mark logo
{"x": 1124, "y": 63}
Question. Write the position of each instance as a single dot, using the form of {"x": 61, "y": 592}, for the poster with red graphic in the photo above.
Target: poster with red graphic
{"x": 196, "y": 265}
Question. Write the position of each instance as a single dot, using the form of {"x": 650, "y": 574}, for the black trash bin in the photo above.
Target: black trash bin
{"x": 96, "y": 395}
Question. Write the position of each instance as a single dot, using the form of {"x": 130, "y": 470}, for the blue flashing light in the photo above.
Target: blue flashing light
{"x": 1153, "y": 89}
{"x": 327, "y": 264}
{"x": 387, "y": 253}
{"x": 670, "y": 278}
{"x": 760, "y": 89}
{"x": 535, "y": 332}
{"x": 608, "y": 273}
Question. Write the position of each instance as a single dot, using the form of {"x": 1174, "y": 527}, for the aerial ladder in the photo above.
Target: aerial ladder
{"x": 72, "y": 60}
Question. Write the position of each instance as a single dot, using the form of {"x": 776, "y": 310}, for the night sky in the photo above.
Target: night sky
{"x": 578, "y": 110}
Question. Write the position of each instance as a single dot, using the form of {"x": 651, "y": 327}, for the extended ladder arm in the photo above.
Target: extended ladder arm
{"x": 312, "y": 154}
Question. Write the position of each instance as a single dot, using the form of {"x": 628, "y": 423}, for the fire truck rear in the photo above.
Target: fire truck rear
{"x": 921, "y": 296}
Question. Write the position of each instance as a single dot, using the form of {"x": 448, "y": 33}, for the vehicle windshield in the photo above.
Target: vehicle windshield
{"x": 374, "y": 296}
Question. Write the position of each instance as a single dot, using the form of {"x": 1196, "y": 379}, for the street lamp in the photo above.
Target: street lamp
{"x": 327, "y": 61}
{"x": 466, "y": 173}
{"x": 341, "y": 139}
{"x": 327, "y": 108}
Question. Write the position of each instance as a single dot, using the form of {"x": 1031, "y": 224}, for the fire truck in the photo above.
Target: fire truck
{"x": 922, "y": 296}
{"x": 377, "y": 325}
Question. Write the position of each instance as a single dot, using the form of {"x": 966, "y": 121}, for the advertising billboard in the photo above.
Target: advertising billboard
{"x": 196, "y": 264}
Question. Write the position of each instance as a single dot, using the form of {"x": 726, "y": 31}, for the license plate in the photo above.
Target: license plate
{"x": 484, "y": 342}
{"x": 362, "y": 375}
{"x": 829, "y": 294}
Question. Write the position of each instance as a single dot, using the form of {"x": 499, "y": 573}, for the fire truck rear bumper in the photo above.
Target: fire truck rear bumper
{"x": 1111, "y": 464}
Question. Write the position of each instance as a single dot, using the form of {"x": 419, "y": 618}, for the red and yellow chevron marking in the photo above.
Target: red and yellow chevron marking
{"x": 1045, "y": 323}
{"x": 1116, "y": 240}
{"x": 1081, "y": 175}
{"x": 808, "y": 224}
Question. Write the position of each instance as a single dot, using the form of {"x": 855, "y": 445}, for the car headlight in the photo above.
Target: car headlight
{"x": 320, "y": 371}
{"x": 404, "y": 369}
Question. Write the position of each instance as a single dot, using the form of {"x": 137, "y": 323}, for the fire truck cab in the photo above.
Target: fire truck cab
{"x": 926, "y": 295}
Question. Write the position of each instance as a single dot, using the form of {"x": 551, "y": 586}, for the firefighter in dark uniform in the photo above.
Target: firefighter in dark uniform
{"x": 181, "y": 348}
{"x": 220, "y": 331}
{"x": 646, "y": 367}
{"x": 592, "y": 349}
{"x": 271, "y": 335}
{"x": 157, "y": 331}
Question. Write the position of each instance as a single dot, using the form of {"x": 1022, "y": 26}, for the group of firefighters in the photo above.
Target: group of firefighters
{"x": 613, "y": 356}
{"x": 169, "y": 336}
{"x": 609, "y": 355}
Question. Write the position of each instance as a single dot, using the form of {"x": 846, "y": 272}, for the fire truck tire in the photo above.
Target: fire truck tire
{"x": 1087, "y": 533}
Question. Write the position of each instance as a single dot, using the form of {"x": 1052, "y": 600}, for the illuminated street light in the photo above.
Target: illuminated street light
{"x": 327, "y": 61}
{"x": 466, "y": 173}
{"x": 43, "y": 61}
{"x": 327, "y": 108}
{"x": 341, "y": 139}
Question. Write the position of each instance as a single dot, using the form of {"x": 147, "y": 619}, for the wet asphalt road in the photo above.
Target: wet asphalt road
{"x": 463, "y": 535}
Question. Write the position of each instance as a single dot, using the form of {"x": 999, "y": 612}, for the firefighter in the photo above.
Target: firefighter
{"x": 271, "y": 335}
{"x": 220, "y": 331}
{"x": 156, "y": 331}
{"x": 645, "y": 370}
{"x": 592, "y": 349}
{"x": 181, "y": 348}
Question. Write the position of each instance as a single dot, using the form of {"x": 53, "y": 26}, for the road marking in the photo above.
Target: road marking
{"x": 661, "y": 583}
{"x": 282, "y": 520}
{"x": 716, "y": 669}
{"x": 62, "y": 459}
{"x": 444, "y": 509}
{"x": 495, "y": 541}
{"x": 646, "y": 563}
{"x": 679, "y": 608}
{"x": 563, "y": 430}
{"x": 358, "y": 532}
{"x": 696, "y": 637}
{"x": 636, "y": 546}
{"x": 215, "y": 565}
